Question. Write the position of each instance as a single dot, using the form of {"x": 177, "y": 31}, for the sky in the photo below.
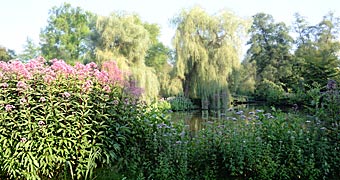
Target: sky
{"x": 22, "y": 19}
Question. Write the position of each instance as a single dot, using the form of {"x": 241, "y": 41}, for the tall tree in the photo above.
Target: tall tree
{"x": 318, "y": 48}
{"x": 270, "y": 44}
{"x": 31, "y": 50}
{"x": 208, "y": 48}
{"x": 124, "y": 38}
{"x": 65, "y": 36}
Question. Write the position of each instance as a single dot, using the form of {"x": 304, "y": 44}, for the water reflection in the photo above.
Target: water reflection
{"x": 197, "y": 120}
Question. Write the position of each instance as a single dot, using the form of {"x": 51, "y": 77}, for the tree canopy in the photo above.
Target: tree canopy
{"x": 318, "y": 48}
{"x": 124, "y": 38}
{"x": 6, "y": 54}
{"x": 270, "y": 44}
{"x": 65, "y": 36}
{"x": 208, "y": 48}
{"x": 204, "y": 62}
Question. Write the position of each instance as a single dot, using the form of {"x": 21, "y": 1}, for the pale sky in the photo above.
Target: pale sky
{"x": 25, "y": 18}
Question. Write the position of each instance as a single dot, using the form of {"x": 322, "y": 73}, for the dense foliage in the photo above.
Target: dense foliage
{"x": 75, "y": 122}
{"x": 247, "y": 145}
{"x": 205, "y": 63}
{"x": 58, "y": 120}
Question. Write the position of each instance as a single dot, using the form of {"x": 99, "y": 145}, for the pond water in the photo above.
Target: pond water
{"x": 197, "y": 120}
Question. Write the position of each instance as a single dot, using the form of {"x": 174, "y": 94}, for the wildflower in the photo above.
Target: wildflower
{"x": 251, "y": 113}
{"x": 4, "y": 85}
{"x": 115, "y": 102}
{"x": 48, "y": 78}
{"x": 107, "y": 88}
{"x": 267, "y": 114}
{"x": 87, "y": 85}
{"x": 307, "y": 121}
{"x": 234, "y": 119}
{"x": 42, "y": 99}
{"x": 23, "y": 139}
{"x": 91, "y": 65}
{"x": 161, "y": 125}
{"x": 21, "y": 85}
{"x": 126, "y": 101}
{"x": 331, "y": 85}
{"x": 239, "y": 112}
{"x": 220, "y": 126}
{"x": 66, "y": 95}
{"x": 41, "y": 123}
{"x": 23, "y": 100}
{"x": 178, "y": 142}
{"x": 9, "y": 107}
{"x": 259, "y": 110}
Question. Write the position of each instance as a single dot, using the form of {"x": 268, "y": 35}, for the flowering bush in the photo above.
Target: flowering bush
{"x": 59, "y": 119}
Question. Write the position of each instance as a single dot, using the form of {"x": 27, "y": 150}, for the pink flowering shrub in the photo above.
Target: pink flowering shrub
{"x": 59, "y": 118}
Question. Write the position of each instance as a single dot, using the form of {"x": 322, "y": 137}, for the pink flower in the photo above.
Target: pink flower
{"x": 91, "y": 65}
{"x": 61, "y": 67}
{"x": 42, "y": 99}
{"x": 41, "y": 123}
{"x": 4, "y": 66}
{"x": 65, "y": 95}
{"x": 21, "y": 85}
{"x": 87, "y": 85}
{"x": 23, "y": 139}
{"x": 114, "y": 73}
{"x": 9, "y": 107}
{"x": 17, "y": 67}
{"x": 102, "y": 76}
{"x": 79, "y": 66}
{"x": 23, "y": 100}
{"x": 107, "y": 88}
{"x": 4, "y": 85}
{"x": 115, "y": 102}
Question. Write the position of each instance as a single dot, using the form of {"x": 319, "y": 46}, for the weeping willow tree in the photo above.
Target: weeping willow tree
{"x": 208, "y": 49}
{"x": 123, "y": 38}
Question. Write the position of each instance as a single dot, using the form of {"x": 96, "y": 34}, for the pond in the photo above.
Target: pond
{"x": 197, "y": 120}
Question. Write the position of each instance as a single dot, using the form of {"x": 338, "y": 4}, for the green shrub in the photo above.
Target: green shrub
{"x": 180, "y": 103}
{"x": 270, "y": 92}
{"x": 278, "y": 146}
{"x": 157, "y": 149}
